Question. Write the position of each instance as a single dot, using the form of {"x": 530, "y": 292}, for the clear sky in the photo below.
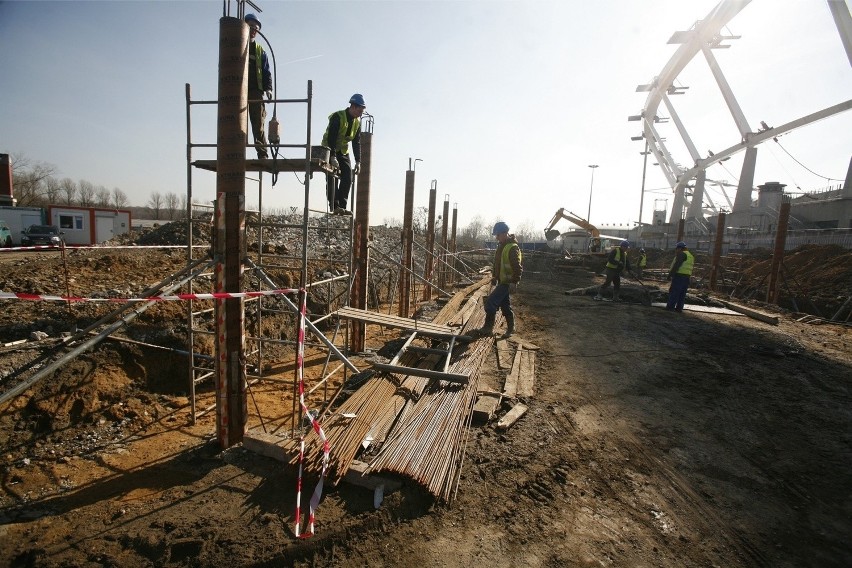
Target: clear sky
{"x": 505, "y": 102}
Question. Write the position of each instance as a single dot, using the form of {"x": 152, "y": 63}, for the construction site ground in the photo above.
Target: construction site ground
{"x": 653, "y": 439}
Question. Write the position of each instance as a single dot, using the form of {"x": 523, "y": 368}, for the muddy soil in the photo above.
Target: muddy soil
{"x": 653, "y": 439}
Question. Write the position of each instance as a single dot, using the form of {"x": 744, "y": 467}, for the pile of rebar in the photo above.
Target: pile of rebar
{"x": 419, "y": 425}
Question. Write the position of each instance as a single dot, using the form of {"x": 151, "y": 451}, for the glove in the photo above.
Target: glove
{"x": 357, "y": 169}
{"x": 333, "y": 162}
{"x": 269, "y": 95}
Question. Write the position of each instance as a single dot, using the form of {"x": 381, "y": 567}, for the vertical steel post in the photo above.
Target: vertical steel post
{"x": 407, "y": 243}
{"x": 717, "y": 251}
{"x": 360, "y": 248}
{"x": 231, "y": 407}
{"x": 778, "y": 254}
{"x": 445, "y": 219}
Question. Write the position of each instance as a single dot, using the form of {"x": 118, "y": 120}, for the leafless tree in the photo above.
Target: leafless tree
{"x": 69, "y": 190}
{"x": 171, "y": 201}
{"x": 183, "y": 204}
{"x": 155, "y": 203}
{"x": 54, "y": 189}
{"x": 119, "y": 198}
{"x": 474, "y": 232}
{"x": 102, "y": 196}
{"x": 29, "y": 180}
{"x": 87, "y": 193}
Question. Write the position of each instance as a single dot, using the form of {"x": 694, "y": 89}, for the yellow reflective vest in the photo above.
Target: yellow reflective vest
{"x": 686, "y": 266}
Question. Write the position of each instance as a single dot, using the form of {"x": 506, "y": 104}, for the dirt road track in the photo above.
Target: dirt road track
{"x": 654, "y": 439}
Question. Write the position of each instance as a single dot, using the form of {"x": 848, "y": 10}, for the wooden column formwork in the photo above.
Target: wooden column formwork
{"x": 360, "y": 250}
{"x": 407, "y": 245}
{"x": 717, "y": 251}
{"x": 445, "y": 219}
{"x": 778, "y": 253}
{"x": 231, "y": 408}
{"x": 429, "y": 265}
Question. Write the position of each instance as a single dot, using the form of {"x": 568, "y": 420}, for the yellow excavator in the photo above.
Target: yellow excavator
{"x": 597, "y": 244}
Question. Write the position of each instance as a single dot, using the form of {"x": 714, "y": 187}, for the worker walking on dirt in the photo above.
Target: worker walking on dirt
{"x": 641, "y": 263}
{"x": 344, "y": 126}
{"x": 506, "y": 274}
{"x": 616, "y": 262}
{"x": 259, "y": 83}
{"x": 679, "y": 273}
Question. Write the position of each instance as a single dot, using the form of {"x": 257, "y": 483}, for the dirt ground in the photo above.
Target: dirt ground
{"x": 653, "y": 439}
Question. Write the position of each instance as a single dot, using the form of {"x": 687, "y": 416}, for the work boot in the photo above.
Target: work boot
{"x": 487, "y": 328}
{"x": 615, "y": 296}
{"x": 510, "y": 325}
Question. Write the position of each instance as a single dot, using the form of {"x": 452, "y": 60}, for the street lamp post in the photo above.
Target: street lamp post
{"x": 591, "y": 188}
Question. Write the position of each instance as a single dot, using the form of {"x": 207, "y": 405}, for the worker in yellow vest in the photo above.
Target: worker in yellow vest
{"x": 506, "y": 274}
{"x": 259, "y": 83}
{"x": 616, "y": 262}
{"x": 679, "y": 273}
{"x": 344, "y": 126}
{"x": 641, "y": 263}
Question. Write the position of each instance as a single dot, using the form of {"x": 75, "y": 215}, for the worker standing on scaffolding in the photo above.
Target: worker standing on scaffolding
{"x": 259, "y": 83}
{"x": 506, "y": 275}
{"x": 344, "y": 126}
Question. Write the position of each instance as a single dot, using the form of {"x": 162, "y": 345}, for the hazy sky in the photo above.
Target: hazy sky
{"x": 505, "y": 102}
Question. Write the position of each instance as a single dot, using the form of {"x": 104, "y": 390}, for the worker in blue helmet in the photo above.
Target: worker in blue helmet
{"x": 506, "y": 275}
{"x": 616, "y": 262}
{"x": 641, "y": 263}
{"x": 259, "y": 84}
{"x": 344, "y": 127}
{"x": 679, "y": 273}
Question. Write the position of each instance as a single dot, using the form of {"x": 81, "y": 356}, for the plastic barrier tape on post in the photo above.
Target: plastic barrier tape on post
{"x": 213, "y": 296}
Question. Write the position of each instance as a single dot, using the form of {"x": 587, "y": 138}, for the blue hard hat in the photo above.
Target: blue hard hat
{"x": 357, "y": 99}
{"x": 680, "y": 245}
{"x": 249, "y": 18}
{"x": 624, "y": 244}
{"x": 500, "y": 227}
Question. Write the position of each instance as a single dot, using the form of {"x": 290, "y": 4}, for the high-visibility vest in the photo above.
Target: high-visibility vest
{"x": 686, "y": 266}
{"x": 506, "y": 264}
{"x": 345, "y": 134}
{"x": 643, "y": 261}
{"x": 618, "y": 254}
{"x": 258, "y": 64}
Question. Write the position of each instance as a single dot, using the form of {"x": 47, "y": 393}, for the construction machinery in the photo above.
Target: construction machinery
{"x": 596, "y": 245}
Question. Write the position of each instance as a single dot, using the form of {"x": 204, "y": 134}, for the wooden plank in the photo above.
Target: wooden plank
{"x": 526, "y": 344}
{"x": 357, "y": 474}
{"x": 504, "y": 354}
{"x": 510, "y": 388}
{"x": 754, "y": 314}
{"x": 428, "y": 373}
{"x": 485, "y": 407}
{"x": 395, "y": 321}
{"x": 512, "y": 416}
{"x": 266, "y": 444}
{"x": 526, "y": 375}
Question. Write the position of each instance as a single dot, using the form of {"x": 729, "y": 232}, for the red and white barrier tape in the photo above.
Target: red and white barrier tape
{"x": 317, "y": 494}
{"x": 96, "y": 247}
{"x": 213, "y": 296}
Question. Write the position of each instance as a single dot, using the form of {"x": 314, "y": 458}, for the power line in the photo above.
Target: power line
{"x": 801, "y": 164}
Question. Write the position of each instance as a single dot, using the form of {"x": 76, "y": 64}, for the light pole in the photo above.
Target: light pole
{"x": 642, "y": 195}
{"x": 591, "y": 188}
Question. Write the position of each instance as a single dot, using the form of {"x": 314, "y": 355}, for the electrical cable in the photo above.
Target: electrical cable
{"x": 801, "y": 164}
{"x": 273, "y": 146}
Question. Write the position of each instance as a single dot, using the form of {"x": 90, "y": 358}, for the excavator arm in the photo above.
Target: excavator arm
{"x": 550, "y": 233}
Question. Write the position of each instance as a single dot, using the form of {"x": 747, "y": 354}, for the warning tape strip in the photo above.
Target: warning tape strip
{"x": 89, "y": 247}
{"x": 178, "y": 297}
{"x": 326, "y": 448}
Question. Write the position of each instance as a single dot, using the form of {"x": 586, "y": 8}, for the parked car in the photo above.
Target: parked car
{"x": 41, "y": 235}
{"x": 5, "y": 235}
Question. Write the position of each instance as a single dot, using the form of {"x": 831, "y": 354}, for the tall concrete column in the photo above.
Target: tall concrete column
{"x": 772, "y": 292}
{"x": 696, "y": 210}
{"x": 231, "y": 407}
{"x": 847, "y": 185}
{"x": 742, "y": 202}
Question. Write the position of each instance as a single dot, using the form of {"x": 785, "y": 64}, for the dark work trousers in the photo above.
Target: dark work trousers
{"x": 499, "y": 299}
{"x": 677, "y": 292}
{"x": 337, "y": 190}
{"x": 257, "y": 117}
{"x": 612, "y": 275}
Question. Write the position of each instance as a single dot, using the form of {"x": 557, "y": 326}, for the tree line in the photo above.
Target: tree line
{"x": 37, "y": 185}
